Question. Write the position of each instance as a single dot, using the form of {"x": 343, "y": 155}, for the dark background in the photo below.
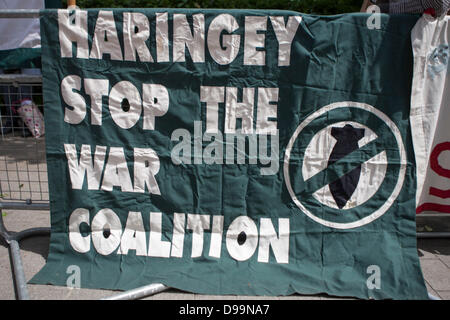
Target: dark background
{"x": 322, "y": 7}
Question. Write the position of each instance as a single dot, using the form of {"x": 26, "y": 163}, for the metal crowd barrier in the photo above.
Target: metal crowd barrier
{"x": 23, "y": 170}
{"x": 23, "y": 175}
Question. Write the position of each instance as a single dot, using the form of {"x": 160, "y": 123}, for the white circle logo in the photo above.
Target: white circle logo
{"x": 345, "y": 186}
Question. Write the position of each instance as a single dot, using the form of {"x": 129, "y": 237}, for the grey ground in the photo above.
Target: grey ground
{"x": 23, "y": 175}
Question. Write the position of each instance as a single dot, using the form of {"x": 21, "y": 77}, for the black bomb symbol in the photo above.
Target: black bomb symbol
{"x": 347, "y": 139}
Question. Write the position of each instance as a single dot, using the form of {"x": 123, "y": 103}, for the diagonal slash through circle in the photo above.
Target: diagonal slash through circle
{"x": 340, "y": 167}
{"x": 346, "y": 164}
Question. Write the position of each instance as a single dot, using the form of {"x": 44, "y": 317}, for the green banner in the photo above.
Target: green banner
{"x": 240, "y": 152}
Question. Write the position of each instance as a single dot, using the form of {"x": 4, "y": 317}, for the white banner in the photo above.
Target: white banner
{"x": 20, "y": 33}
{"x": 430, "y": 112}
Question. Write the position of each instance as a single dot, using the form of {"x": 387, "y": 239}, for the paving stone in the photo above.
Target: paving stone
{"x": 431, "y": 290}
{"x": 214, "y": 297}
{"x": 301, "y": 297}
{"x": 6, "y": 279}
{"x": 257, "y": 298}
{"x": 327, "y": 297}
{"x": 445, "y": 258}
{"x": 45, "y": 292}
{"x": 445, "y": 295}
{"x": 436, "y": 273}
{"x": 172, "y": 294}
{"x": 425, "y": 253}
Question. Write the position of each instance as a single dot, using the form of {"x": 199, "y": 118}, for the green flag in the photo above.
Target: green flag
{"x": 240, "y": 152}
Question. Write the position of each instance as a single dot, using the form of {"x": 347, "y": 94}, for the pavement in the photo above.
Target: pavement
{"x": 23, "y": 176}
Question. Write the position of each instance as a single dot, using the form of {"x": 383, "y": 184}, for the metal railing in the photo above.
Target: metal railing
{"x": 19, "y": 13}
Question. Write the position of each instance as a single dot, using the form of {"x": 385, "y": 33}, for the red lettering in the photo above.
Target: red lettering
{"x": 434, "y": 163}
